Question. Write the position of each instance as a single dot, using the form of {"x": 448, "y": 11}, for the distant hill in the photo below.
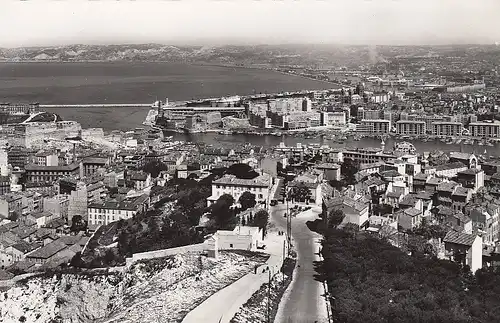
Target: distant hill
{"x": 246, "y": 55}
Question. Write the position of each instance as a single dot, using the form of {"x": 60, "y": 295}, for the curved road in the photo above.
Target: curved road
{"x": 303, "y": 302}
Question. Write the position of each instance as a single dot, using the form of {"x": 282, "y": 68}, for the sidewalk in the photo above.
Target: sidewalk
{"x": 223, "y": 305}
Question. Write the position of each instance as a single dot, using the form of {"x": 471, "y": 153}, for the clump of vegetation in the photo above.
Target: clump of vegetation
{"x": 371, "y": 280}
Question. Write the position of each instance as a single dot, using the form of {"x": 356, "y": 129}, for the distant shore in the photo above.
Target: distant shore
{"x": 172, "y": 62}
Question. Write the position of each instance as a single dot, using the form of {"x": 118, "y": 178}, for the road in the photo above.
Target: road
{"x": 302, "y": 303}
{"x": 223, "y": 305}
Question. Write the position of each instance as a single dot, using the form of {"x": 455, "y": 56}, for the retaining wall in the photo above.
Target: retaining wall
{"x": 165, "y": 252}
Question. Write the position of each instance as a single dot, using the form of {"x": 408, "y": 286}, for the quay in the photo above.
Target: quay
{"x": 99, "y": 105}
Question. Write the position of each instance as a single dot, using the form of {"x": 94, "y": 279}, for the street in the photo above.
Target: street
{"x": 303, "y": 301}
{"x": 223, "y": 305}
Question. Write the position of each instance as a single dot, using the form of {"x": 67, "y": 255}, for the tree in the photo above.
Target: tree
{"x": 300, "y": 192}
{"x": 78, "y": 223}
{"x": 348, "y": 169}
{"x": 14, "y": 216}
{"x": 260, "y": 220}
{"x": 77, "y": 261}
{"x": 247, "y": 200}
{"x": 243, "y": 171}
{"x": 335, "y": 218}
{"x": 222, "y": 214}
{"x": 154, "y": 168}
{"x": 387, "y": 232}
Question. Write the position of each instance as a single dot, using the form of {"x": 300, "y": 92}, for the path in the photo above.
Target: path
{"x": 223, "y": 305}
{"x": 303, "y": 301}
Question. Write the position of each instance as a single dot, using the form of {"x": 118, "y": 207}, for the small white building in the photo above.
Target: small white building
{"x": 467, "y": 246}
{"x": 241, "y": 238}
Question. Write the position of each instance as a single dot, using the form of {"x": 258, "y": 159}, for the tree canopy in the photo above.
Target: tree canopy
{"x": 241, "y": 170}
{"x": 373, "y": 281}
{"x": 247, "y": 200}
{"x": 300, "y": 192}
{"x": 154, "y": 168}
{"x": 335, "y": 218}
{"x": 348, "y": 169}
{"x": 221, "y": 214}
{"x": 261, "y": 220}
{"x": 78, "y": 223}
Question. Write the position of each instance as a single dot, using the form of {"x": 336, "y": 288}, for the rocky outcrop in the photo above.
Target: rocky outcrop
{"x": 169, "y": 287}
{"x": 68, "y": 298}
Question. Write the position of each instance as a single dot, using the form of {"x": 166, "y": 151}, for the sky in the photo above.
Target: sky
{"x": 205, "y": 22}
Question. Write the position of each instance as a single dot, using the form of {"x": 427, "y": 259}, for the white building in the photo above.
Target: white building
{"x": 469, "y": 246}
{"x": 112, "y": 210}
{"x": 241, "y": 238}
{"x": 230, "y": 184}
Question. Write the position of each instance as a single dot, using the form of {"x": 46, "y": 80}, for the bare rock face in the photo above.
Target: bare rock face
{"x": 154, "y": 290}
{"x": 68, "y": 298}
{"x": 83, "y": 300}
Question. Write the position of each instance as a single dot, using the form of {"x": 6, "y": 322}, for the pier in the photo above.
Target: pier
{"x": 99, "y": 105}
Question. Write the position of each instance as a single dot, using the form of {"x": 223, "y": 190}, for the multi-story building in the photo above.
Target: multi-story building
{"x": 485, "y": 129}
{"x": 49, "y": 174}
{"x": 472, "y": 178}
{"x": 445, "y": 191}
{"x": 333, "y": 118}
{"x": 375, "y": 126}
{"x": 141, "y": 179}
{"x": 372, "y": 114}
{"x": 113, "y": 210}
{"x": 465, "y": 87}
{"x": 229, "y": 184}
{"x": 428, "y": 119}
{"x": 447, "y": 128}
{"x": 11, "y": 204}
{"x": 90, "y": 165}
{"x": 367, "y": 155}
{"x": 411, "y": 128}
{"x": 19, "y": 108}
{"x": 17, "y": 156}
{"x": 78, "y": 202}
{"x": 46, "y": 159}
{"x": 57, "y": 205}
{"x": 485, "y": 222}
{"x": 4, "y": 185}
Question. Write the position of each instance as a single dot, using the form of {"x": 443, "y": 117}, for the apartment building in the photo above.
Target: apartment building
{"x": 485, "y": 129}
{"x": 114, "y": 210}
{"x": 447, "y": 128}
{"x": 411, "y": 128}
{"x": 374, "y": 126}
{"x": 49, "y": 174}
{"x": 367, "y": 155}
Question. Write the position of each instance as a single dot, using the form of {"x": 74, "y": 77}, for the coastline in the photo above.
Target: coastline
{"x": 337, "y": 85}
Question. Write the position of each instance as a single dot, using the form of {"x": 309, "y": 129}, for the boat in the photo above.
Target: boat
{"x": 225, "y": 132}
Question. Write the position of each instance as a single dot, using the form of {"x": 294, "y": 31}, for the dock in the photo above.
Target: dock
{"x": 98, "y": 105}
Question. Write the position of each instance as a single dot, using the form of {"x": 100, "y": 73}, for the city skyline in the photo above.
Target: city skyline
{"x": 200, "y": 22}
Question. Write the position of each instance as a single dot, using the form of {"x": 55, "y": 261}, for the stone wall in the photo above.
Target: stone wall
{"x": 166, "y": 252}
